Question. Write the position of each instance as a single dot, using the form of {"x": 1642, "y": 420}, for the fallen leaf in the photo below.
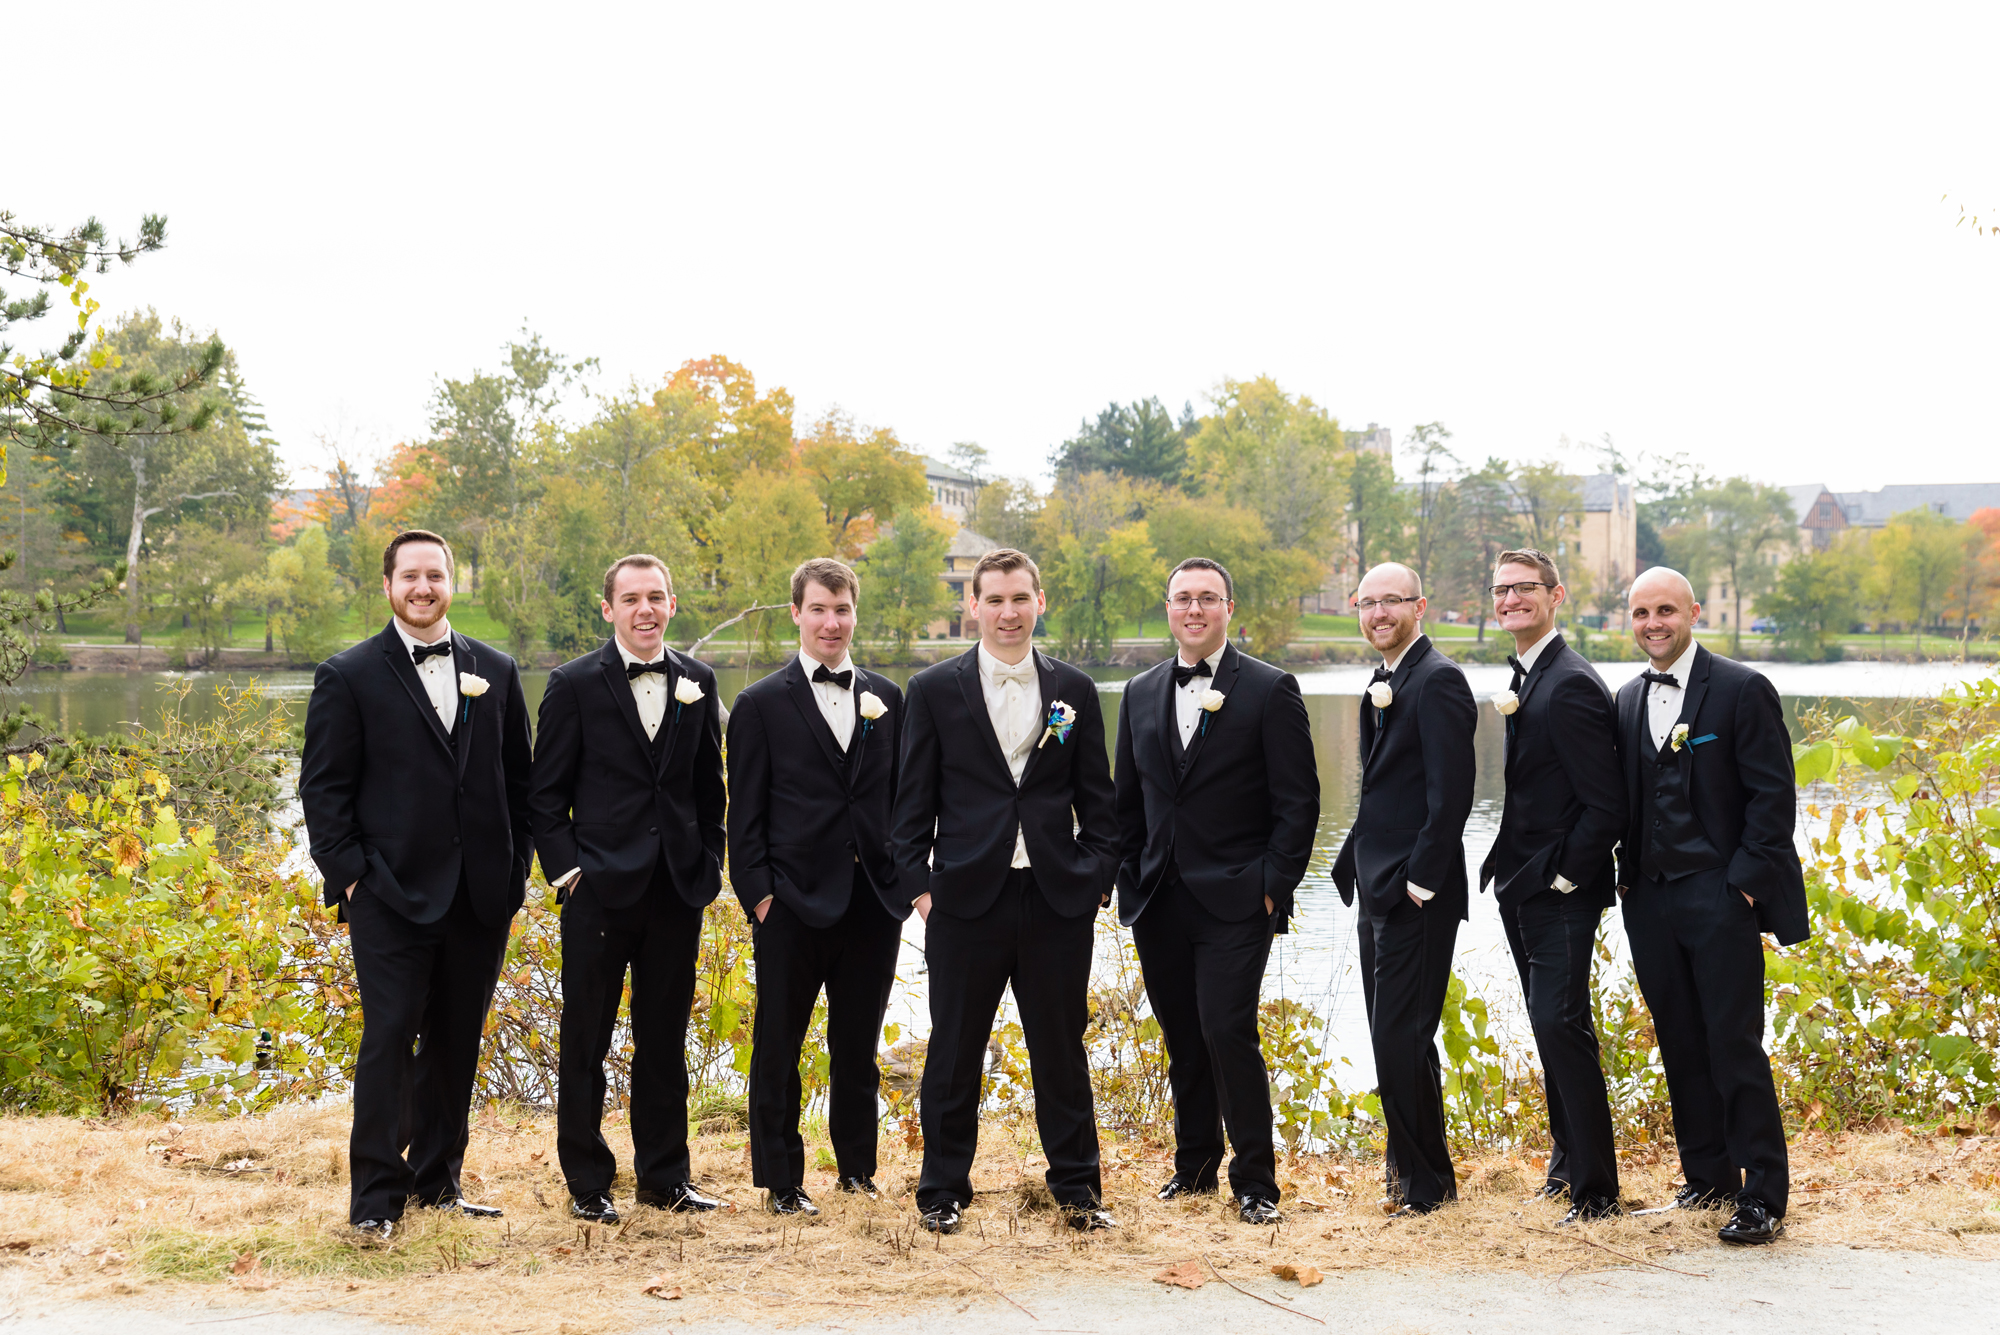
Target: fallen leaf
{"x": 18, "y": 1245}
{"x": 352, "y": 1287}
{"x": 657, "y": 1287}
{"x": 481, "y": 1265}
{"x": 560, "y": 1251}
{"x": 536, "y": 1157}
{"x": 1304, "y": 1274}
{"x": 245, "y": 1264}
{"x": 1186, "y": 1275}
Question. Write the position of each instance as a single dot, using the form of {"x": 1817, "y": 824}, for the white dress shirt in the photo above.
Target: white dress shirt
{"x": 649, "y": 689}
{"x": 1187, "y": 699}
{"x": 1663, "y": 702}
{"x": 834, "y": 702}
{"x": 1534, "y": 650}
{"x": 437, "y": 672}
{"x": 1014, "y": 704}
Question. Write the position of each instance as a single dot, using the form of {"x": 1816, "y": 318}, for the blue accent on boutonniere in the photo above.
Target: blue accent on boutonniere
{"x": 1697, "y": 741}
{"x": 1058, "y": 724}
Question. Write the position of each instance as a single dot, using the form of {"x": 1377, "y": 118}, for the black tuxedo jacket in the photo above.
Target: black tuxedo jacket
{"x": 1565, "y": 805}
{"x": 801, "y": 810}
{"x": 1741, "y": 784}
{"x": 394, "y": 801}
{"x": 1237, "y": 820}
{"x": 1416, "y": 789}
{"x": 957, "y": 807}
{"x": 608, "y": 800}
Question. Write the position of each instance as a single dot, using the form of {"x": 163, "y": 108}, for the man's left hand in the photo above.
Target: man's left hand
{"x": 1269, "y": 907}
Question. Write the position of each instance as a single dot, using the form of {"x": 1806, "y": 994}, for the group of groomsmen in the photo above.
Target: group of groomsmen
{"x": 982, "y": 799}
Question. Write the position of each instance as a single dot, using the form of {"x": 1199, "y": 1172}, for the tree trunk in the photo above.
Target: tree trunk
{"x": 132, "y": 542}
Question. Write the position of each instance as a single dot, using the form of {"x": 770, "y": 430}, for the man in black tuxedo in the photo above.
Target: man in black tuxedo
{"x": 1550, "y": 866}
{"x": 1405, "y": 856}
{"x": 1218, "y": 800}
{"x": 414, "y": 783}
{"x": 1707, "y": 865}
{"x": 812, "y": 781}
{"x": 627, "y": 800}
{"x": 1006, "y": 839}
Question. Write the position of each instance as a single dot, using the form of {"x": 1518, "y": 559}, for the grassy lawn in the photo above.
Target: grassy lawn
{"x": 107, "y": 626}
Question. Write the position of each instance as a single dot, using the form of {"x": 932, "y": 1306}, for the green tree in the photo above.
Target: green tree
{"x": 1747, "y": 524}
{"x": 1136, "y": 440}
{"x": 901, "y": 591}
{"x": 1377, "y": 510}
{"x": 773, "y": 523}
{"x": 1005, "y": 512}
{"x": 862, "y": 481}
{"x": 1097, "y": 558}
{"x": 199, "y": 570}
{"x": 304, "y": 593}
{"x": 1919, "y": 558}
{"x": 1813, "y": 601}
{"x": 1279, "y": 455}
{"x": 1486, "y": 522}
{"x": 1269, "y": 580}
{"x": 1433, "y": 500}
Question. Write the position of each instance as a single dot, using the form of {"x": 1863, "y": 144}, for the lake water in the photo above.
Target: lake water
{"x": 1316, "y": 963}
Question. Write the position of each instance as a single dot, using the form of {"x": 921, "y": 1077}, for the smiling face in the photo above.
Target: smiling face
{"x": 419, "y": 588}
{"x": 641, "y": 606}
{"x": 1199, "y": 630}
{"x": 1663, "y": 615}
{"x": 1526, "y": 616}
{"x": 826, "y": 623}
{"x": 1006, "y": 606}
{"x": 1397, "y": 612}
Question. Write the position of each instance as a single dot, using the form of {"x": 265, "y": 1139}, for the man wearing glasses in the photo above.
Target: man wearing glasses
{"x": 1551, "y": 868}
{"x": 1218, "y": 798}
{"x": 1405, "y": 855}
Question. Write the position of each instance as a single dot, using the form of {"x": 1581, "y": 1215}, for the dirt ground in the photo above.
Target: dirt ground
{"x": 153, "y": 1216}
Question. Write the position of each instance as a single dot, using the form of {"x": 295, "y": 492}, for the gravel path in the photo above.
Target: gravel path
{"x": 1786, "y": 1289}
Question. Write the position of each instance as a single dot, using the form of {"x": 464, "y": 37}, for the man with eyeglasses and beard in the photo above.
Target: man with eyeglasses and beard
{"x": 1405, "y": 856}
{"x": 1218, "y": 799}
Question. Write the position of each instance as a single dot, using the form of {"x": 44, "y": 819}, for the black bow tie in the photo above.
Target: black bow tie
{"x": 1380, "y": 674}
{"x": 1184, "y": 674}
{"x": 419, "y": 652}
{"x": 1663, "y": 678}
{"x": 844, "y": 680}
{"x": 633, "y": 671}
{"x": 1520, "y": 673}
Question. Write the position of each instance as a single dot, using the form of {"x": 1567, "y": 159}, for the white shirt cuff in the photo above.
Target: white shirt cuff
{"x": 1420, "y": 892}
{"x": 564, "y": 879}
{"x": 1563, "y": 883}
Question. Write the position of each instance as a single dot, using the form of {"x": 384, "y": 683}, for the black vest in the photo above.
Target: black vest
{"x": 1675, "y": 843}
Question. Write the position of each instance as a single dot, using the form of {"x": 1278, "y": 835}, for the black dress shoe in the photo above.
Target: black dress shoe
{"x": 1088, "y": 1218}
{"x": 1178, "y": 1186}
{"x": 943, "y": 1217}
{"x": 371, "y": 1232}
{"x": 1692, "y": 1198}
{"x": 1257, "y": 1210}
{"x": 860, "y": 1186}
{"x": 791, "y": 1200}
{"x": 1752, "y": 1225}
{"x": 594, "y": 1209}
{"x": 1417, "y": 1209}
{"x": 682, "y": 1198}
{"x": 1551, "y": 1191}
{"x": 460, "y": 1205}
{"x": 1585, "y": 1211}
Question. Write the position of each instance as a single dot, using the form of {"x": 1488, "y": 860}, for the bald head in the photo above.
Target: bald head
{"x": 1661, "y": 580}
{"x": 1663, "y": 614}
{"x": 1392, "y": 577}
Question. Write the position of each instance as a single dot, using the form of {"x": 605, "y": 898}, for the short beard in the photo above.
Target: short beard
{"x": 401, "y": 608}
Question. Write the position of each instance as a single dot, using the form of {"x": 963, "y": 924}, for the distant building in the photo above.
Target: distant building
{"x": 1606, "y": 542}
{"x": 953, "y": 490}
{"x": 963, "y": 554}
{"x": 1376, "y": 439}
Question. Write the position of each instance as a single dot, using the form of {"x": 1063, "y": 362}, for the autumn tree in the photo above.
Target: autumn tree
{"x": 1269, "y": 580}
{"x": 1917, "y": 560}
{"x": 901, "y": 591}
{"x": 863, "y": 479}
{"x": 1097, "y": 559}
{"x": 773, "y": 523}
{"x": 1279, "y": 455}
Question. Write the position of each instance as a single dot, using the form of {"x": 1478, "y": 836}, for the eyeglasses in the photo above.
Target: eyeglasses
{"x": 1526, "y": 588}
{"x": 1207, "y": 602}
{"x": 1392, "y": 602}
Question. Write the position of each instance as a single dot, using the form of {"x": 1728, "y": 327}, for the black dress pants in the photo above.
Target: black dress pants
{"x": 1700, "y": 962}
{"x": 1046, "y": 957}
{"x": 1203, "y": 979}
{"x": 658, "y": 938}
{"x": 425, "y": 989}
{"x": 1405, "y": 958}
{"x": 1554, "y": 940}
{"x": 855, "y": 961}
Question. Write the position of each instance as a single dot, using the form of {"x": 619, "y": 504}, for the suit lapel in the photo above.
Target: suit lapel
{"x": 806, "y": 701}
{"x": 1401, "y": 678}
{"x": 1045, "y": 677}
{"x": 1225, "y": 681}
{"x": 1697, "y": 688}
{"x": 611, "y": 667}
{"x": 1638, "y": 738}
{"x": 1544, "y": 661}
{"x": 405, "y": 671}
{"x": 975, "y": 700}
{"x": 857, "y": 743}
{"x": 461, "y": 735}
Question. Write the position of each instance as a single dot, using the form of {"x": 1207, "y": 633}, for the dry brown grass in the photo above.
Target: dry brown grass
{"x": 251, "y": 1211}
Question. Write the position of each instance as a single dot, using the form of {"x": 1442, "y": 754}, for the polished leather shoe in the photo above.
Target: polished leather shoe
{"x": 860, "y": 1186}
{"x": 372, "y": 1232}
{"x": 1417, "y": 1209}
{"x": 684, "y": 1198}
{"x": 943, "y": 1217}
{"x": 1178, "y": 1186}
{"x": 791, "y": 1200}
{"x": 1693, "y": 1198}
{"x": 460, "y": 1205}
{"x": 1752, "y": 1225}
{"x": 1088, "y": 1218}
{"x": 596, "y": 1209}
{"x": 1257, "y": 1210}
{"x": 1550, "y": 1191}
{"x": 1586, "y": 1211}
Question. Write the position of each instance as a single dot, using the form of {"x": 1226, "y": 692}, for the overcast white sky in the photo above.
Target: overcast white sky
{"x": 1715, "y": 229}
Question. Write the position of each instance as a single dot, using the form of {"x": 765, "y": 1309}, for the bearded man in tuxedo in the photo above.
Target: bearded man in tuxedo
{"x": 414, "y": 783}
{"x": 1706, "y": 866}
{"x": 1405, "y": 857}
{"x": 1006, "y": 840}
{"x": 628, "y": 799}
{"x": 1550, "y": 866}
{"x": 812, "y": 780}
{"x": 1218, "y": 800}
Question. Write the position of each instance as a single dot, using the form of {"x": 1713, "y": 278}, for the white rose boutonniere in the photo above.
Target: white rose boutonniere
{"x": 1211, "y": 701}
{"x": 871, "y": 706}
{"x": 1380, "y": 695}
{"x": 1506, "y": 702}
{"x": 686, "y": 692}
{"x": 472, "y": 685}
{"x": 1679, "y": 737}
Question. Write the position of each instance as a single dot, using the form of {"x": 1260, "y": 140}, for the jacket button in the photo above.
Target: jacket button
{"x": 652, "y": 829}
{"x": 1656, "y": 823}
{"x": 454, "y": 839}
